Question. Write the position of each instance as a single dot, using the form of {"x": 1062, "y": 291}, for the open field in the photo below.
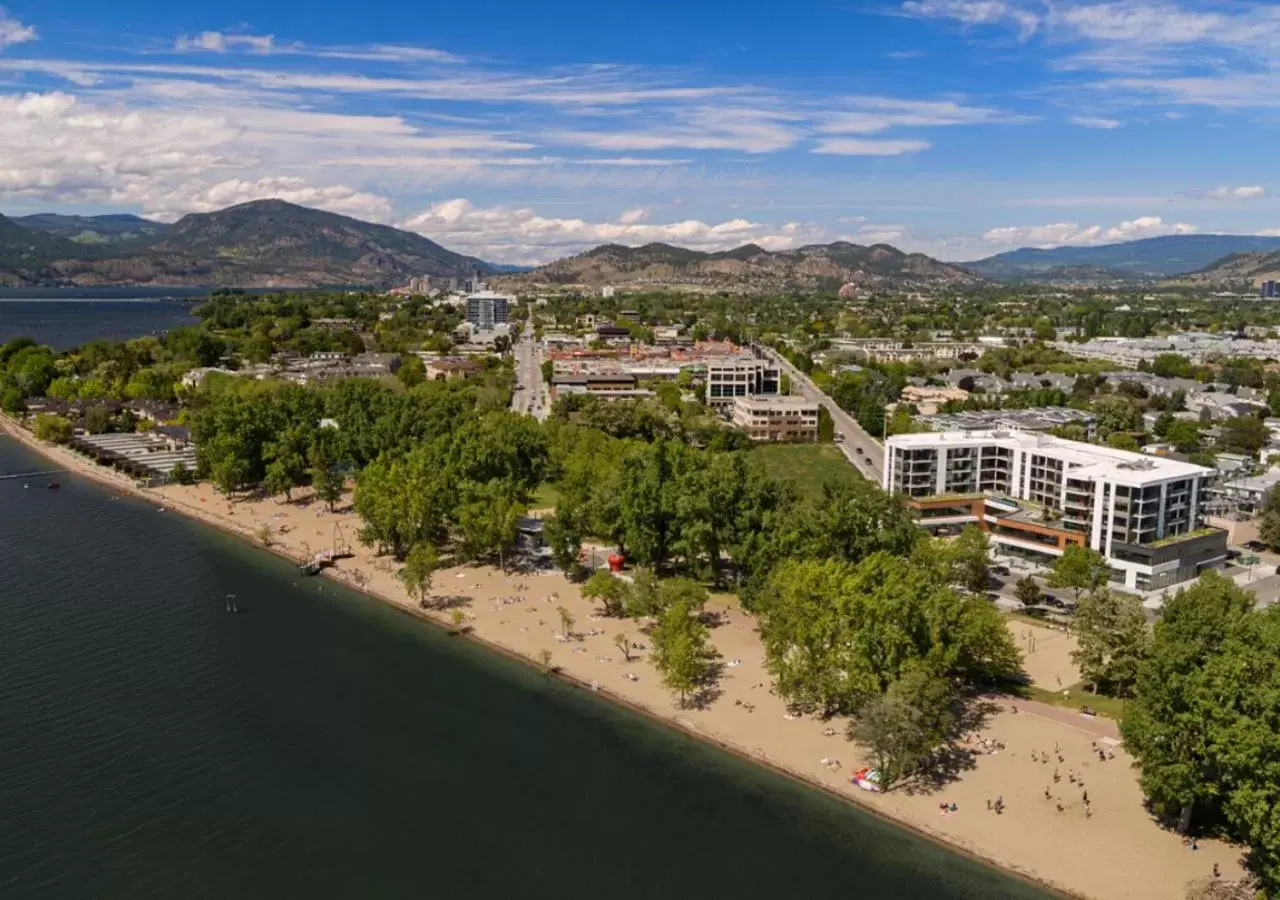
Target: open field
{"x": 807, "y": 466}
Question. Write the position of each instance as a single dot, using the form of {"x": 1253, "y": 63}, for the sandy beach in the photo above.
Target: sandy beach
{"x": 1107, "y": 849}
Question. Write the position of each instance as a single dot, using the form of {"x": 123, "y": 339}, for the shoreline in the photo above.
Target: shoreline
{"x": 178, "y": 499}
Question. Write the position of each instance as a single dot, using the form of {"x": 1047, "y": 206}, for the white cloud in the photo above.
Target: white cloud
{"x": 742, "y": 128}
{"x": 221, "y": 42}
{"x": 861, "y": 147}
{"x": 978, "y": 12}
{"x": 208, "y": 198}
{"x": 1072, "y": 234}
{"x": 872, "y": 115}
{"x": 1095, "y": 122}
{"x": 632, "y": 161}
{"x": 632, "y": 216}
{"x": 523, "y": 236}
{"x": 1244, "y": 192}
{"x": 12, "y": 31}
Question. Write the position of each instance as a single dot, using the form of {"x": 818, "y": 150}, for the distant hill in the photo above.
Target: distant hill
{"x": 1241, "y": 267}
{"x": 750, "y": 267}
{"x": 25, "y": 252}
{"x": 265, "y": 243}
{"x": 1149, "y": 258}
{"x": 92, "y": 229}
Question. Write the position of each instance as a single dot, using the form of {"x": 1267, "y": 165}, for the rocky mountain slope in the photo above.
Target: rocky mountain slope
{"x": 750, "y": 267}
{"x": 1149, "y": 258}
{"x": 265, "y": 243}
{"x": 1240, "y": 268}
{"x": 92, "y": 229}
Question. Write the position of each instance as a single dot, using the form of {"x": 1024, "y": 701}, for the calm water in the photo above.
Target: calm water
{"x": 320, "y": 744}
{"x": 64, "y": 322}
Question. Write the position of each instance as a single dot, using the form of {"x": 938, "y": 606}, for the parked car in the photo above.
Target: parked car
{"x": 1255, "y": 546}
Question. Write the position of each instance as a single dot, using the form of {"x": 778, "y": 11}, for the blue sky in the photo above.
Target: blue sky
{"x": 526, "y": 132}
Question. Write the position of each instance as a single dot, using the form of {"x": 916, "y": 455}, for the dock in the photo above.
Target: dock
{"x": 14, "y": 477}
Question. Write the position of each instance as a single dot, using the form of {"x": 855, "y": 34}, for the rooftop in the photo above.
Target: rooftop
{"x": 1083, "y": 460}
{"x": 769, "y": 401}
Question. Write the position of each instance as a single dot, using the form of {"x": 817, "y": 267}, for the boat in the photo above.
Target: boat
{"x": 52, "y": 486}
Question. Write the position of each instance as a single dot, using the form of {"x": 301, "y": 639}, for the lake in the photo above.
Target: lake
{"x": 322, "y": 744}
{"x": 66, "y": 322}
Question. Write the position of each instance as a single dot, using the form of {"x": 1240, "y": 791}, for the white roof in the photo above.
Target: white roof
{"x": 1084, "y": 461}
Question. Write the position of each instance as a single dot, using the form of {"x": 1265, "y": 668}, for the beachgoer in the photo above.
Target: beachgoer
{"x": 1216, "y": 870}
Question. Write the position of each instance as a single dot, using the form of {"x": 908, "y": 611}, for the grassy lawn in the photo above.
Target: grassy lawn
{"x": 545, "y": 497}
{"x": 1110, "y": 707}
{"x": 808, "y": 466}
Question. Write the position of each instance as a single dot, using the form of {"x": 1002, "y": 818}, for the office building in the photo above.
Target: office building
{"x": 486, "y": 310}
{"x": 1270, "y": 290}
{"x": 741, "y": 377}
{"x": 776, "y": 418}
{"x": 1034, "y": 495}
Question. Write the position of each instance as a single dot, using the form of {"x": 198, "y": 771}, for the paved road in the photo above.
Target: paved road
{"x": 870, "y": 461}
{"x": 528, "y": 398}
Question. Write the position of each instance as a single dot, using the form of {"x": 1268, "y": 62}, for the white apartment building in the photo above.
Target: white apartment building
{"x": 776, "y": 418}
{"x": 1034, "y": 495}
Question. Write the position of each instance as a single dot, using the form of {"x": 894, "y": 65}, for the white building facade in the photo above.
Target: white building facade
{"x": 1034, "y": 495}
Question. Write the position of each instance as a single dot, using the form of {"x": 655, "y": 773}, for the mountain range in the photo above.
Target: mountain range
{"x": 264, "y": 243}
{"x": 1148, "y": 258}
{"x": 270, "y": 243}
{"x": 750, "y": 267}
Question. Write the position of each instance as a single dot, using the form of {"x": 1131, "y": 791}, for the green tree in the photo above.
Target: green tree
{"x": 1162, "y": 424}
{"x": 405, "y": 500}
{"x": 1044, "y": 330}
{"x": 1243, "y": 434}
{"x": 1177, "y": 721}
{"x": 181, "y": 474}
{"x": 1116, "y": 414}
{"x": 837, "y": 633}
{"x": 1113, "y": 639}
{"x": 566, "y": 620}
{"x": 1027, "y": 591}
{"x": 1185, "y": 436}
{"x": 905, "y": 724}
{"x": 48, "y": 427}
{"x": 329, "y": 483}
{"x": 487, "y": 520}
{"x": 62, "y": 388}
{"x": 419, "y": 565}
{"x": 565, "y": 540}
{"x": 608, "y": 590}
{"x": 97, "y": 420}
{"x": 681, "y": 651}
{"x": 412, "y": 371}
{"x": 1078, "y": 568}
{"x": 623, "y": 643}
{"x": 1269, "y": 526}
{"x": 1123, "y": 441}
{"x": 971, "y": 559}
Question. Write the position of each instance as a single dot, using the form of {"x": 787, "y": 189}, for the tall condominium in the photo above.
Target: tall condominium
{"x": 487, "y": 309}
{"x": 1034, "y": 495}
